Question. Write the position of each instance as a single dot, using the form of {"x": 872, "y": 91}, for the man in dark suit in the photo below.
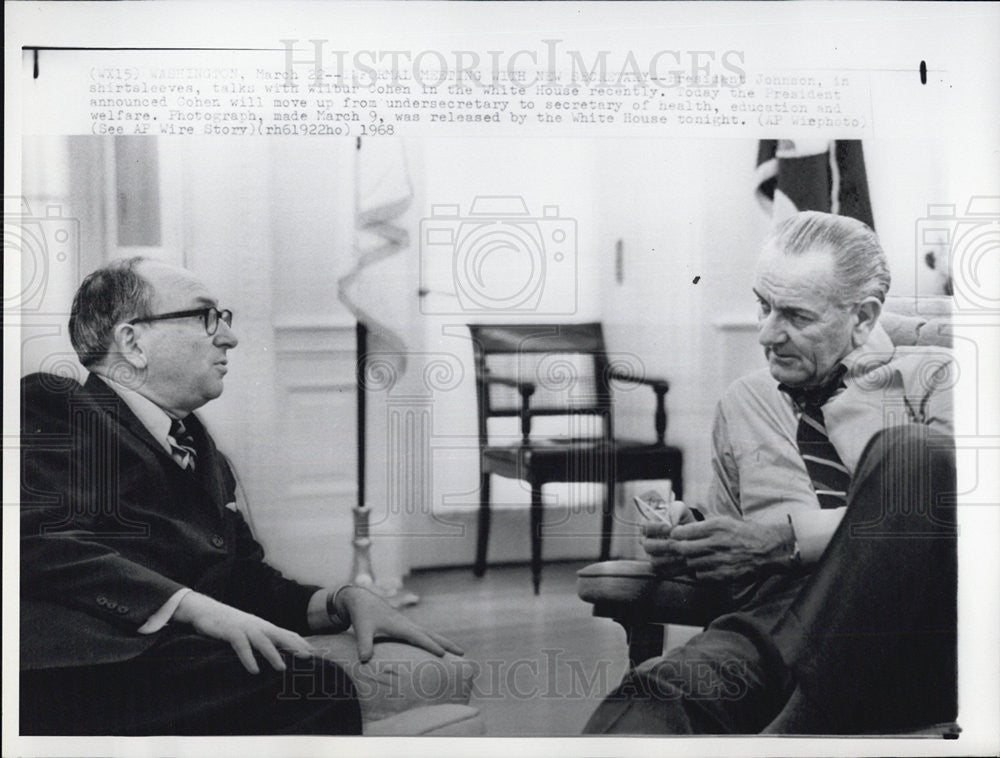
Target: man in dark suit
{"x": 146, "y": 603}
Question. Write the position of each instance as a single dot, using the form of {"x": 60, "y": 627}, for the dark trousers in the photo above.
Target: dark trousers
{"x": 865, "y": 643}
{"x": 187, "y": 684}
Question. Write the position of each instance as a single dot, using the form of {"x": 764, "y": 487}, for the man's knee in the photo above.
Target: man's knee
{"x": 908, "y": 448}
{"x": 308, "y": 678}
{"x": 716, "y": 683}
{"x": 313, "y": 696}
{"x": 725, "y": 663}
{"x": 904, "y": 480}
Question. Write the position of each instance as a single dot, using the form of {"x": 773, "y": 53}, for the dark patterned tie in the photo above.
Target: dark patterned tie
{"x": 182, "y": 445}
{"x": 830, "y": 477}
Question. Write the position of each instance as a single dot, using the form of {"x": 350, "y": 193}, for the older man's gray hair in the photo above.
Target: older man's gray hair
{"x": 108, "y": 296}
{"x": 860, "y": 264}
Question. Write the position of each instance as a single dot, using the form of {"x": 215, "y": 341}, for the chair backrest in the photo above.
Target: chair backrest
{"x": 918, "y": 321}
{"x": 566, "y": 363}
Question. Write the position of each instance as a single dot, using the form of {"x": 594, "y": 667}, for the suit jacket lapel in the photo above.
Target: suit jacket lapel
{"x": 108, "y": 401}
{"x": 207, "y": 471}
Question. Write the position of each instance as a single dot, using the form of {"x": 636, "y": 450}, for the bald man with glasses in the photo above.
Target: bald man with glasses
{"x": 147, "y": 606}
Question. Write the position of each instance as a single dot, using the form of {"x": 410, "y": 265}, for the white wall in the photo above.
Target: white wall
{"x": 682, "y": 209}
{"x": 61, "y": 189}
{"x": 905, "y": 178}
{"x": 559, "y": 173}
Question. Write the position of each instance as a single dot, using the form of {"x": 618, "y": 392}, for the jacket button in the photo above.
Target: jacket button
{"x": 112, "y": 605}
{"x": 101, "y": 600}
{"x": 217, "y": 540}
{"x": 123, "y": 609}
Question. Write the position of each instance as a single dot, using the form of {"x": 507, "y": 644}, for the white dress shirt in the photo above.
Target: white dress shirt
{"x": 758, "y": 472}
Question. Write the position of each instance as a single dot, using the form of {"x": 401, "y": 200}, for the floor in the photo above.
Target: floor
{"x": 545, "y": 661}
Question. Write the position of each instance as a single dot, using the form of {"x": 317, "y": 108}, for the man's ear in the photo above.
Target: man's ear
{"x": 126, "y": 344}
{"x": 866, "y": 316}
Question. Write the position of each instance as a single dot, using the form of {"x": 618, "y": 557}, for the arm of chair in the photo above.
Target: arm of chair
{"x": 660, "y": 387}
{"x": 631, "y": 594}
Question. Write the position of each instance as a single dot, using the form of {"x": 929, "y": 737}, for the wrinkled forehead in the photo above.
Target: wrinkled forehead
{"x": 175, "y": 288}
{"x": 808, "y": 276}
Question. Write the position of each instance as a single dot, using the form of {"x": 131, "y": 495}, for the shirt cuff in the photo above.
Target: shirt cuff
{"x": 159, "y": 619}
{"x": 813, "y": 530}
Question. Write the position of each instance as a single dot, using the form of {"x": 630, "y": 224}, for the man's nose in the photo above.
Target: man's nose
{"x": 770, "y": 331}
{"x": 225, "y": 336}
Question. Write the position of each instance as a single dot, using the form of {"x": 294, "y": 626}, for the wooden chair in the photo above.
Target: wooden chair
{"x": 526, "y": 371}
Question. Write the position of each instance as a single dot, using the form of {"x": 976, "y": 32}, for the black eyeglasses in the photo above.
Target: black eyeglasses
{"x": 210, "y": 317}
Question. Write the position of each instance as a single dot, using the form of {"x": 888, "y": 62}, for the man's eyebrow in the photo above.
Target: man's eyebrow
{"x": 206, "y": 301}
{"x": 796, "y": 309}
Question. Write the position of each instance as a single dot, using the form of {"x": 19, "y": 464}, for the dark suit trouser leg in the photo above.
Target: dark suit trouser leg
{"x": 872, "y": 637}
{"x": 190, "y": 685}
{"x": 730, "y": 679}
{"x": 867, "y": 642}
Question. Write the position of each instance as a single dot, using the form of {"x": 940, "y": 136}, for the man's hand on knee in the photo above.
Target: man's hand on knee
{"x": 726, "y": 548}
{"x": 370, "y": 616}
{"x": 244, "y": 631}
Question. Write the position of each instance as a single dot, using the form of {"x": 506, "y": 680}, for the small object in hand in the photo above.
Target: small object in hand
{"x": 653, "y": 507}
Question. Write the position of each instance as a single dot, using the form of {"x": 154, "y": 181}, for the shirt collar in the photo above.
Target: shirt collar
{"x": 153, "y": 417}
{"x": 875, "y": 352}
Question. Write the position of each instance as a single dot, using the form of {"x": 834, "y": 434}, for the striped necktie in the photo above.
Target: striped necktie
{"x": 830, "y": 477}
{"x": 182, "y": 445}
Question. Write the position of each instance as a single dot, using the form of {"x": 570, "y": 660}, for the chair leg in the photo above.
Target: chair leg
{"x": 482, "y": 525}
{"x": 645, "y": 641}
{"x": 607, "y": 519}
{"x": 536, "y": 536}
